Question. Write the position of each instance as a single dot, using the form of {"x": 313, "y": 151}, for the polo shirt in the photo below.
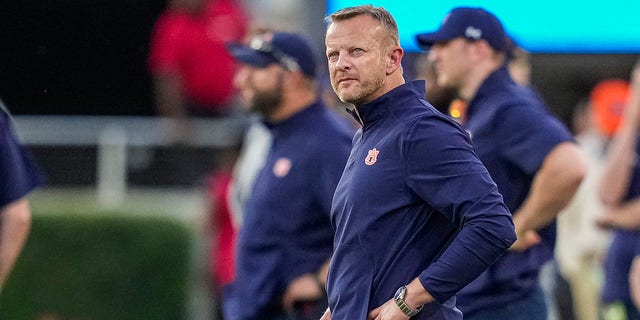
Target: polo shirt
{"x": 625, "y": 245}
{"x": 19, "y": 173}
{"x": 286, "y": 230}
{"x": 513, "y": 132}
{"x": 414, "y": 201}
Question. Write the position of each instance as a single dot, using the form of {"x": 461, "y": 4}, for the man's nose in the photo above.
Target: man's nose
{"x": 343, "y": 62}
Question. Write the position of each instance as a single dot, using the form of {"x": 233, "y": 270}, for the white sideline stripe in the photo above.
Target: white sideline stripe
{"x": 139, "y": 130}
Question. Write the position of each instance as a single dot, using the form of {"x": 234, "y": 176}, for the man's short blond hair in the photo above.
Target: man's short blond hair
{"x": 380, "y": 14}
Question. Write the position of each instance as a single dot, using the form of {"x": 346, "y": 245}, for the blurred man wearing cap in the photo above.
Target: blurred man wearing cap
{"x": 416, "y": 214}
{"x": 285, "y": 241}
{"x": 531, "y": 156}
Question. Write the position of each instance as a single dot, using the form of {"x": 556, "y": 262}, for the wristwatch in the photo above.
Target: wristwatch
{"x": 399, "y": 298}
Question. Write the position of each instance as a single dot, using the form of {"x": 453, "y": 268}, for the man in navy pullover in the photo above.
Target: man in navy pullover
{"x": 416, "y": 214}
{"x": 531, "y": 156}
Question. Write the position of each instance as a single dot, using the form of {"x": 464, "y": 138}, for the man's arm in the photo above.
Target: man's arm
{"x": 416, "y": 296}
{"x": 554, "y": 185}
{"x": 623, "y": 216}
{"x": 14, "y": 229}
{"x": 621, "y": 155}
{"x": 308, "y": 286}
{"x": 634, "y": 281}
{"x": 169, "y": 97}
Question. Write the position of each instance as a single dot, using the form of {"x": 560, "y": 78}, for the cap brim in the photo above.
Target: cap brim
{"x": 250, "y": 56}
{"x": 426, "y": 40}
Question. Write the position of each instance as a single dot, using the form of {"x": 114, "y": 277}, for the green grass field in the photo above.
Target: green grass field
{"x": 81, "y": 246}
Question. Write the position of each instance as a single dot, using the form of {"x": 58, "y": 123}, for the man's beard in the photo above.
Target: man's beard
{"x": 267, "y": 102}
{"x": 367, "y": 89}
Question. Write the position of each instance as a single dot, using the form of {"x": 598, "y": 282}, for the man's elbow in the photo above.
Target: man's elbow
{"x": 23, "y": 219}
{"x": 567, "y": 168}
{"x": 572, "y": 169}
{"x": 577, "y": 172}
{"x": 17, "y": 215}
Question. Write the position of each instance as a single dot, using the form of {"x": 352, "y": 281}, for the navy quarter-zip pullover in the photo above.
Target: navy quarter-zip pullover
{"x": 286, "y": 230}
{"x": 414, "y": 201}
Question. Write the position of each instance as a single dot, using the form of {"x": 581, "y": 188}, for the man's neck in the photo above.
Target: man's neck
{"x": 292, "y": 103}
{"x": 476, "y": 77}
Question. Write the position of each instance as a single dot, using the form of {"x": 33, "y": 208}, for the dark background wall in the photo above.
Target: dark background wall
{"x": 76, "y": 57}
{"x": 563, "y": 79}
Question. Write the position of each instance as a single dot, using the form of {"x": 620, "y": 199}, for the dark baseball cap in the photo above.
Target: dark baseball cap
{"x": 469, "y": 23}
{"x": 291, "y": 50}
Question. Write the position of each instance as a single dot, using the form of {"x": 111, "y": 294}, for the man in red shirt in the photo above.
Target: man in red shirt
{"x": 191, "y": 68}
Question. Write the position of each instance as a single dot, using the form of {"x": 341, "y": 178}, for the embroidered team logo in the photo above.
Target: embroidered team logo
{"x": 372, "y": 157}
{"x": 281, "y": 167}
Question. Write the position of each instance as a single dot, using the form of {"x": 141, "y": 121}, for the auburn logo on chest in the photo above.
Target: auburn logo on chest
{"x": 372, "y": 157}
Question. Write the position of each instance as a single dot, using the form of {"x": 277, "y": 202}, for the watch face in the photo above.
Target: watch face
{"x": 400, "y": 293}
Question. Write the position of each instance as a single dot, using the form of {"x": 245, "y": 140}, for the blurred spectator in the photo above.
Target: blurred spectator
{"x": 229, "y": 188}
{"x": 620, "y": 192}
{"x": 192, "y": 71}
{"x": 530, "y": 155}
{"x": 193, "y": 77}
{"x": 556, "y": 288}
{"x": 581, "y": 246}
{"x": 255, "y": 145}
{"x": 19, "y": 175}
{"x": 285, "y": 239}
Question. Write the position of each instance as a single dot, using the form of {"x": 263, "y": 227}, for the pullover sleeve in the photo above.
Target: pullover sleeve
{"x": 443, "y": 169}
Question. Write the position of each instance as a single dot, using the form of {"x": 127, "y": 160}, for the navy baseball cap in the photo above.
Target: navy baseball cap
{"x": 291, "y": 50}
{"x": 469, "y": 23}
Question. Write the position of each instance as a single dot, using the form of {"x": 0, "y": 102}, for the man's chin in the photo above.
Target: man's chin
{"x": 348, "y": 98}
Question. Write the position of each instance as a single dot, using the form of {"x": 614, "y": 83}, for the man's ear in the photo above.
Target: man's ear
{"x": 292, "y": 78}
{"x": 394, "y": 61}
{"x": 483, "y": 48}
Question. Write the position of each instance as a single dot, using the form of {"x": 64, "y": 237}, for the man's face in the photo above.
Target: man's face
{"x": 356, "y": 53}
{"x": 260, "y": 88}
{"x": 452, "y": 62}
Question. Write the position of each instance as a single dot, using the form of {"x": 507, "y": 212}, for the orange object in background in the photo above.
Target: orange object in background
{"x": 458, "y": 110}
{"x": 608, "y": 100}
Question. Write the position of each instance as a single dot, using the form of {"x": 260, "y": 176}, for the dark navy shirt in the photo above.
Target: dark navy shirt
{"x": 19, "y": 173}
{"x": 286, "y": 230}
{"x": 513, "y": 132}
{"x": 624, "y": 247}
{"x": 414, "y": 201}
